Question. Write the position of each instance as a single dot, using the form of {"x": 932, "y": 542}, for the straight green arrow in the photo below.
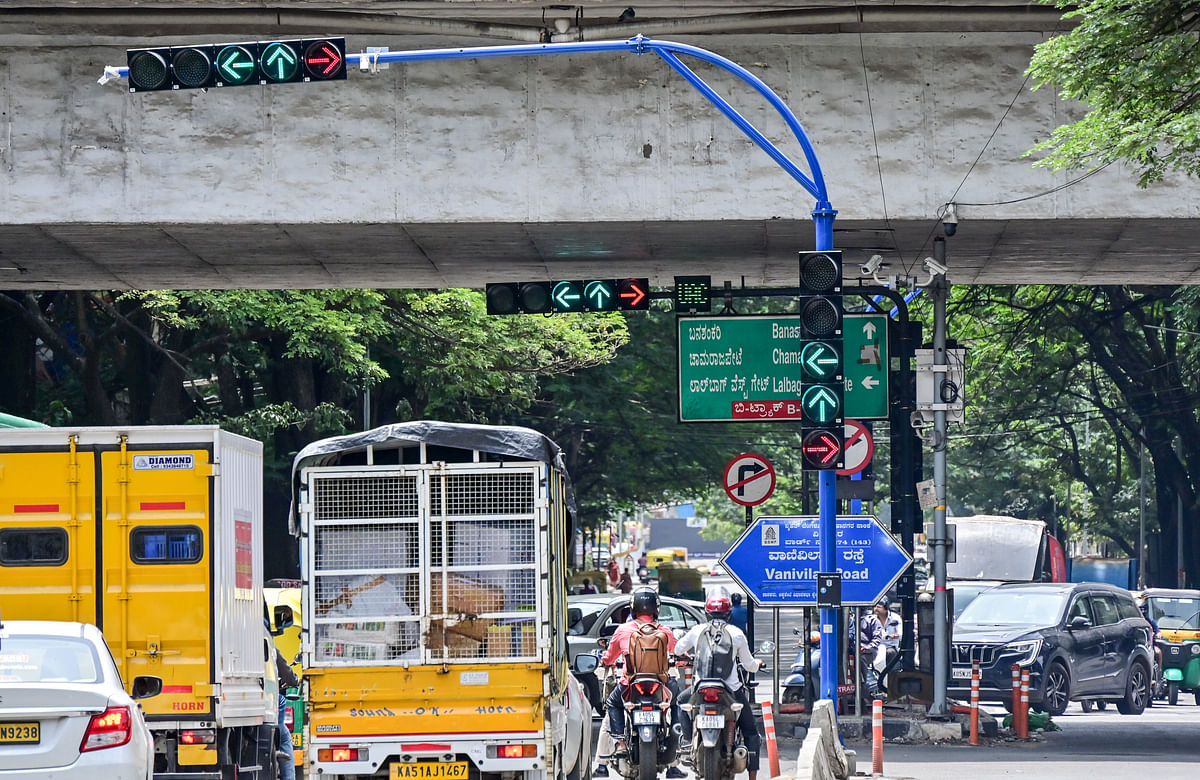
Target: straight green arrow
{"x": 821, "y": 402}
{"x": 599, "y": 294}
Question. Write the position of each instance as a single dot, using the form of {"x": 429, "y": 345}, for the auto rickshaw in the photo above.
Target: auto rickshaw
{"x": 1177, "y": 615}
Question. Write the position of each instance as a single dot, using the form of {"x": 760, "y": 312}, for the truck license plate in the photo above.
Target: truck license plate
{"x": 431, "y": 770}
{"x": 961, "y": 674}
{"x": 710, "y": 721}
{"x": 645, "y": 717}
{"x": 20, "y": 733}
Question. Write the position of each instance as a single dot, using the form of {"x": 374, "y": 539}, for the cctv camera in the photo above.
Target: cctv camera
{"x": 950, "y": 220}
{"x": 934, "y": 267}
{"x": 871, "y": 266}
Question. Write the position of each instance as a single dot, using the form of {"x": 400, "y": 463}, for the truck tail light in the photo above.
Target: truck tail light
{"x": 111, "y": 728}
{"x": 197, "y": 737}
{"x": 342, "y": 753}
{"x": 513, "y": 751}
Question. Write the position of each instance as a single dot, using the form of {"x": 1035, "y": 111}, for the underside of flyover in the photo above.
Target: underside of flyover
{"x": 147, "y": 251}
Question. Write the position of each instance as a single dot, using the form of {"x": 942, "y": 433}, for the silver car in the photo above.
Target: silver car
{"x": 63, "y": 710}
{"x": 587, "y": 616}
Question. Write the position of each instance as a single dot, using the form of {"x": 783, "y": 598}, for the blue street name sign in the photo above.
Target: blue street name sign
{"x": 775, "y": 560}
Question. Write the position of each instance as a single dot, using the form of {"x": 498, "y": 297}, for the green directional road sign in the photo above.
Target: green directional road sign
{"x": 865, "y": 365}
{"x": 739, "y": 368}
{"x": 566, "y": 296}
{"x": 599, "y": 295}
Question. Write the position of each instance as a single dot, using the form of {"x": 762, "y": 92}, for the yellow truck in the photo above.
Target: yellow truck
{"x": 433, "y": 561}
{"x": 154, "y": 534}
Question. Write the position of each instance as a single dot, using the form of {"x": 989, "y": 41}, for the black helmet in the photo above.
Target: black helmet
{"x": 644, "y": 601}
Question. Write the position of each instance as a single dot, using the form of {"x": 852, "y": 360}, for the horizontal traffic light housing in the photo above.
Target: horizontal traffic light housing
{"x": 568, "y": 296}
{"x": 236, "y": 64}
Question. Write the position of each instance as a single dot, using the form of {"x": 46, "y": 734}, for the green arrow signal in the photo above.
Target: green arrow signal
{"x": 235, "y": 64}
{"x": 281, "y": 59}
{"x": 566, "y": 296}
{"x": 820, "y": 403}
{"x": 819, "y": 359}
{"x": 598, "y": 294}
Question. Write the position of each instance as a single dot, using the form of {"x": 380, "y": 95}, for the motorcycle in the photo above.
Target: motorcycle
{"x": 651, "y": 739}
{"x": 717, "y": 749}
{"x": 795, "y": 683}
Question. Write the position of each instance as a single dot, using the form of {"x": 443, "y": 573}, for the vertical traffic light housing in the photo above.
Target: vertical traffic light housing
{"x": 823, "y": 389}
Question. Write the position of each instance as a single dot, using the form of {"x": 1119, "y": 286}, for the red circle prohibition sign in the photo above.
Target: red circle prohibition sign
{"x": 749, "y": 479}
{"x": 858, "y": 449}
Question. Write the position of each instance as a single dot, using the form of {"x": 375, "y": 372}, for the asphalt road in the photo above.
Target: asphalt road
{"x": 1164, "y": 742}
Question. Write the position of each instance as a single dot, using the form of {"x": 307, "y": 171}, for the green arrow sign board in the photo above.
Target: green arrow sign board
{"x": 865, "y": 364}
{"x": 740, "y": 368}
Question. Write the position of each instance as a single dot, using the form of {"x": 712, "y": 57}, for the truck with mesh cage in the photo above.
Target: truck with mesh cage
{"x": 433, "y": 569}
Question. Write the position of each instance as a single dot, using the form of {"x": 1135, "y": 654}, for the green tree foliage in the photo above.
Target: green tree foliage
{"x": 1134, "y": 64}
{"x": 1066, "y": 384}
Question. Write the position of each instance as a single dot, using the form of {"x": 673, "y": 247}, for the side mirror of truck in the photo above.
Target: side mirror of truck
{"x": 283, "y": 619}
{"x": 586, "y": 663}
{"x": 145, "y": 686}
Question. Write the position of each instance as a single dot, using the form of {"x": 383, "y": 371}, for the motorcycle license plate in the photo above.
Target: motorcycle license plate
{"x": 710, "y": 721}
{"x": 961, "y": 674}
{"x": 645, "y": 717}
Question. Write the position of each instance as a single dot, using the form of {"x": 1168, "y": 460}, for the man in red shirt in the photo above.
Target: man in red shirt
{"x": 643, "y": 607}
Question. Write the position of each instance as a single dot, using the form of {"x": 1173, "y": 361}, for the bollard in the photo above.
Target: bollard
{"x": 1024, "y": 704}
{"x": 877, "y": 738}
{"x": 975, "y": 702}
{"x": 1016, "y": 703}
{"x": 768, "y": 715}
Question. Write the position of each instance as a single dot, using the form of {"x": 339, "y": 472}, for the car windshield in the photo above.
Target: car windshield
{"x": 964, "y": 594}
{"x": 35, "y": 658}
{"x": 581, "y": 615}
{"x": 1175, "y": 613}
{"x": 1003, "y": 607}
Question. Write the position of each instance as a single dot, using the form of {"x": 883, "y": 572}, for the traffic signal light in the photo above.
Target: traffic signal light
{"x": 693, "y": 293}
{"x": 822, "y": 399}
{"x": 568, "y": 296}
{"x": 236, "y": 64}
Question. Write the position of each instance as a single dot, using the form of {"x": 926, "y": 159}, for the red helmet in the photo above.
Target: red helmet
{"x": 718, "y": 607}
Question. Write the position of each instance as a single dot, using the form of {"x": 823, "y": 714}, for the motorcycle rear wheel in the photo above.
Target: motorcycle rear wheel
{"x": 712, "y": 763}
{"x": 647, "y": 762}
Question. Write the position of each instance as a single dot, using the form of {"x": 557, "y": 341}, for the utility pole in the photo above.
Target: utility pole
{"x": 1142, "y": 508}
{"x": 941, "y": 663}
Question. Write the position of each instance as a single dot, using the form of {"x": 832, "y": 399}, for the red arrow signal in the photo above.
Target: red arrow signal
{"x": 634, "y": 293}
{"x": 822, "y": 450}
{"x": 326, "y": 59}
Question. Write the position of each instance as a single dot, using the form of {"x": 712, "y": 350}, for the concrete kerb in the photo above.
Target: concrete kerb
{"x": 821, "y": 754}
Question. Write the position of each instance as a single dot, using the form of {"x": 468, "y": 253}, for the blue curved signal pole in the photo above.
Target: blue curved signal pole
{"x": 823, "y": 212}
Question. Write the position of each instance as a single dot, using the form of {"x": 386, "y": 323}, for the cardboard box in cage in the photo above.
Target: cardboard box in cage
{"x": 456, "y": 645}
{"x": 464, "y": 596}
{"x": 504, "y": 641}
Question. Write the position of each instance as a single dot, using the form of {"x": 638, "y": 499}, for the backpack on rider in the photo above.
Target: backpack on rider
{"x": 715, "y": 657}
{"x": 647, "y": 652}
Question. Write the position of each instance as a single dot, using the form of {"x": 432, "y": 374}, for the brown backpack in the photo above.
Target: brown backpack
{"x": 647, "y": 652}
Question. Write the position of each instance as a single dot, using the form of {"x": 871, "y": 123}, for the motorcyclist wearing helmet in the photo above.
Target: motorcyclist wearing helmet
{"x": 643, "y": 608}
{"x": 719, "y": 608}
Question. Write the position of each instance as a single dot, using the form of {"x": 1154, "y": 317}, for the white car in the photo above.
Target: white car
{"x": 63, "y": 710}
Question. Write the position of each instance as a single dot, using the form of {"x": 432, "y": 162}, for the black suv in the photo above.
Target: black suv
{"x": 1079, "y": 641}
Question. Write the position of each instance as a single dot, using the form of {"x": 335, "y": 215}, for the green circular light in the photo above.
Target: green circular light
{"x": 278, "y": 62}
{"x": 147, "y": 70}
{"x": 235, "y": 66}
{"x": 820, "y": 404}
{"x": 192, "y": 67}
